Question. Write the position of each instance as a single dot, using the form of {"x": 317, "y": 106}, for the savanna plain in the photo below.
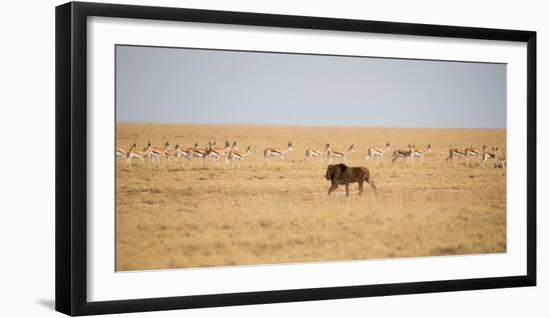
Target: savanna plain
{"x": 182, "y": 214}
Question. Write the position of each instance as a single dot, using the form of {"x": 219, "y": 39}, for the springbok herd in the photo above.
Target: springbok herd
{"x": 230, "y": 153}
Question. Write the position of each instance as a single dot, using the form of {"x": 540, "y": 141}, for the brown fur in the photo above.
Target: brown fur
{"x": 342, "y": 174}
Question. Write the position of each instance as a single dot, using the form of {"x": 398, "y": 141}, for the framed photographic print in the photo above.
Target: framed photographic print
{"x": 213, "y": 158}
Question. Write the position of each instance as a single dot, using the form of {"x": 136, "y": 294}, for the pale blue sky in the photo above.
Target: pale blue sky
{"x": 194, "y": 86}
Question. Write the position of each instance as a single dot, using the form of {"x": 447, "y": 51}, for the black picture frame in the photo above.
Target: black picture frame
{"x": 71, "y": 157}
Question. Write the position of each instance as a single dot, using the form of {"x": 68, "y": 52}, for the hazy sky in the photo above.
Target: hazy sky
{"x": 194, "y": 86}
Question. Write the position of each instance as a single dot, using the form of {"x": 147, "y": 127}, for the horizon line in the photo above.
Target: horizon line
{"x": 301, "y": 126}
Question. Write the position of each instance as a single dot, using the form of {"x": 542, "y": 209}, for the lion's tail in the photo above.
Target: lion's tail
{"x": 371, "y": 182}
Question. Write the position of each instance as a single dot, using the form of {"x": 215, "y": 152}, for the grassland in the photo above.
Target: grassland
{"x": 186, "y": 216}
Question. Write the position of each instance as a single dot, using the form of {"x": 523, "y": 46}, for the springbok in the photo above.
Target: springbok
{"x": 133, "y": 153}
{"x": 214, "y": 153}
{"x": 274, "y": 152}
{"x": 489, "y": 155}
{"x": 403, "y": 154}
{"x": 196, "y": 152}
{"x": 156, "y": 154}
{"x": 377, "y": 153}
{"x": 473, "y": 152}
{"x": 235, "y": 156}
{"x": 455, "y": 152}
{"x": 314, "y": 153}
{"x": 422, "y": 152}
{"x": 339, "y": 154}
{"x": 120, "y": 153}
{"x": 180, "y": 153}
{"x": 147, "y": 151}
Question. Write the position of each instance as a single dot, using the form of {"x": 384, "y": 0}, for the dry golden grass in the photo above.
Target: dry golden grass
{"x": 186, "y": 216}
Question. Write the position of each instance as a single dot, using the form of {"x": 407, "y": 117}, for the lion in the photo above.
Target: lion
{"x": 342, "y": 174}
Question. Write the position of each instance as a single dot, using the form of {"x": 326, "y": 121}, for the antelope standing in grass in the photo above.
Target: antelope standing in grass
{"x": 473, "y": 152}
{"x": 212, "y": 146}
{"x": 196, "y": 152}
{"x": 214, "y": 153}
{"x": 134, "y": 154}
{"x": 420, "y": 153}
{"x": 339, "y": 154}
{"x": 314, "y": 153}
{"x": 274, "y": 152}
{"x": 121, "y": 153}
{"x": 489, "y": 155}
{"x": 156, "y": 154}
{"x": 455, "y": 152}
{"x": 181, "y": 153}
{"x": 235, "y": 156}
{"x": 146, "y": 153}
{"x": 377, "y": 153}
{"x": 403, "y": 154}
